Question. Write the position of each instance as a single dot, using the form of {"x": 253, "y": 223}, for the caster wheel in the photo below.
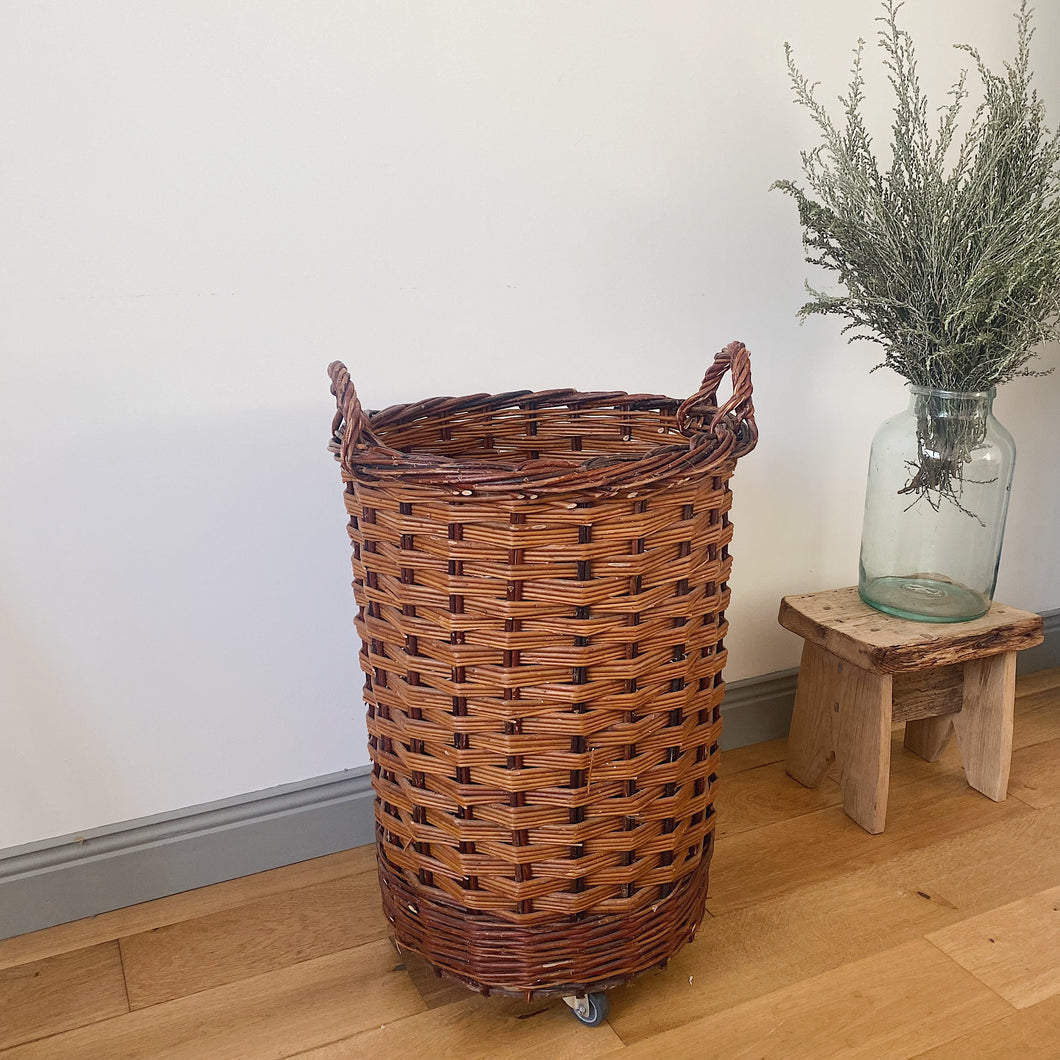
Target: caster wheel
{"x": 590, "y": 1009}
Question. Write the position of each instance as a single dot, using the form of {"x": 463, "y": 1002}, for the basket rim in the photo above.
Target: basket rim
{"x": 701, "y": 454}
{"x": 717, "y": 436}
{"x": 661, "y": 464}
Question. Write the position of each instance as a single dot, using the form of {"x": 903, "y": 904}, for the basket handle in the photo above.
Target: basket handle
{"x": 350, "y": 427}
{"x": 736, "y": 360}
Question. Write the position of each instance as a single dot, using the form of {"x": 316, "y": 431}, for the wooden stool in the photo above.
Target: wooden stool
{"x": 862, "y": 671}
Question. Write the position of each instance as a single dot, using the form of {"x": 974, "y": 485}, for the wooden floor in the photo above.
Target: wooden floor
{"x": 938, "y": 939}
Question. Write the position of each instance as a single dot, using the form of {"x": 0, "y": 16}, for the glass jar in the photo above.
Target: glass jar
{"x": 935, "y": 506}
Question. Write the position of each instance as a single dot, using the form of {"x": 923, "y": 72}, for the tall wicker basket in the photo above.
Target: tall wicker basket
{"x": 541, "y": 590}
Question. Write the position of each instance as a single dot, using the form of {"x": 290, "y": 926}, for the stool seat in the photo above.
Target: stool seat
{"x": 862, "y": 671}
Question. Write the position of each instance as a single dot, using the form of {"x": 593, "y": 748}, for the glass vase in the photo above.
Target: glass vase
{"x": 935, "y": 505}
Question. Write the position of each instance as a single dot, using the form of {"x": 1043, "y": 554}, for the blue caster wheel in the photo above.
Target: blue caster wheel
{"x": 590, "y": 1009}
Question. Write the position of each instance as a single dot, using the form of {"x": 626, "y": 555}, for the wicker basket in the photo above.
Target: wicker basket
{"x": 541, "y": 589}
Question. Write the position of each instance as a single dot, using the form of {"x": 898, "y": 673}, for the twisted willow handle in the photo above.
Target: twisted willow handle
{"x": 735, "y": 360}
{"x": 350, "y": 413}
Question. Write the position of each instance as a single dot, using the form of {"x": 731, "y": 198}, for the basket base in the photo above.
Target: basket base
{"x": 595, "y": 952}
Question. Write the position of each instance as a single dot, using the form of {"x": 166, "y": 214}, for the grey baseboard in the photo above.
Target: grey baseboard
{"x": 757, "y": 709}
{"x": 60, "y": 880}
{"x": 65, "y": 879}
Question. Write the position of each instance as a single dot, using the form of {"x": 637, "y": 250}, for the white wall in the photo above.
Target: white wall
{"x": 205, "y": 202}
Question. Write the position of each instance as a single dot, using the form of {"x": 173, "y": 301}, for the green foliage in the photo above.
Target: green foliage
{"x": 951, "y": 258}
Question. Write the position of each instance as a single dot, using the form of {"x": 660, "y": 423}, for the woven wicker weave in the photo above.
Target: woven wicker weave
{"x": 541, "y": 589}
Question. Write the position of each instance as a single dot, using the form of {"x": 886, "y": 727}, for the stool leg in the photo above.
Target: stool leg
{"x": 811, "y": 740}
{"x": 928, "y": 737}
{"x": 843, "y": 711}
{"x": 984, "y": 724}
{"x": 863, "y": 744}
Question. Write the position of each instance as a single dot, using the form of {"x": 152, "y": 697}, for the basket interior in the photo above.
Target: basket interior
{"x": 512, "y": 435}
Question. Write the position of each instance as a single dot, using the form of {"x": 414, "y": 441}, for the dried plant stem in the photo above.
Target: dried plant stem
{"x": 949, "y": 258}
{"x": 949, "y": 429}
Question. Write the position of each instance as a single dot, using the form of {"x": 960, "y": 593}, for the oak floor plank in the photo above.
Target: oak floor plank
{"x": 184, "y": 906}
{"x": 752, "y": 756}
{"x": 479, "y": 1028}
{"x": 1035, "y": 778}
{"x": 759, "y": 864}
{"x": 1028, "y": 1034}
{"x": 257, "y": 937}
{"x": 774, "y": 943}
{"x": 1039, "y": 681}
{"x": 1015, "y": 950}
{"x": 808, "y": 911}
{"x": 908, "y": 767}
{"x": 436, "y": 990}
{"x": 886, "y": 1007}
{"x": 1037, "y": 717}
{"x": 57, "y": 993}
{"x": 753, "y": 798}
{"x": 269, "y": 1016}
{"x": 984, "y": 869}
{"x": 753, "y": 951}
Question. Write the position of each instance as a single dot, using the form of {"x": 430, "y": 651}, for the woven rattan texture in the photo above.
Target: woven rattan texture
{"x": 541, "y": 595}
{"x": 560, "y": 957}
